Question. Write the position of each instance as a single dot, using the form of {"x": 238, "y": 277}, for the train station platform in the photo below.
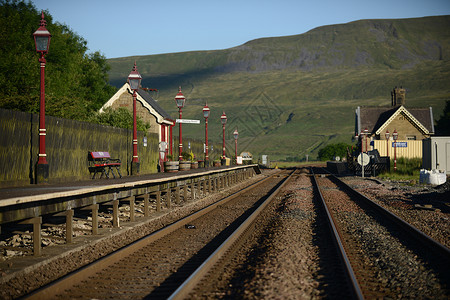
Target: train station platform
{"x": 62, "y": 187}
{"x": 28, "y": 205}
{"x": 88, "y": 195}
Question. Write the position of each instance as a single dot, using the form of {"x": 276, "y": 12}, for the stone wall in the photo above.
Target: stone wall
{"x": 67, "y": 145}
{"x": 126, "y": 101}
{"x": 405, "y": 129}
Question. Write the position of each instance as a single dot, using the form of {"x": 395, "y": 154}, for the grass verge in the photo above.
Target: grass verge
{"x": 408, "y": 169}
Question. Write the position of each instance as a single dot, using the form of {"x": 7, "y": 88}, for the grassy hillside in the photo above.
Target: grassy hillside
{"x": 289, "y": 96}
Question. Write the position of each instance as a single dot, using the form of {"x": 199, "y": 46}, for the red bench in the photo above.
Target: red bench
{"x": 101, "y": 162}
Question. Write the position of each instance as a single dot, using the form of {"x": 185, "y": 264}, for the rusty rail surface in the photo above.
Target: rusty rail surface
{"x": 351, "y": 277}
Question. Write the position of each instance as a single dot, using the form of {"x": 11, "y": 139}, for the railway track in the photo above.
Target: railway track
{"x": 226, "y": 251}
{"x": 155, "y": 265}
{"x": 373, "y": 257}
{"x": 383, "y": 255}
{"x": 306, "y": 253}
{"x": 229, "y": 251}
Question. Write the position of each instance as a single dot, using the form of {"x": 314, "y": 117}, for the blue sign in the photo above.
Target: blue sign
{"x": 400, "y": 144}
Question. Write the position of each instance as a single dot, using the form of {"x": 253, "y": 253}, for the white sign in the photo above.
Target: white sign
{"x": 264, "y": 159}
{"x": 363, "y": 159}
{"x": 246, "y": 156}
{"x": 162, "y": 146}
{"x": 239, "y": 160}
{"x": 187, "y": 121}
{"x": 400, "y": 144}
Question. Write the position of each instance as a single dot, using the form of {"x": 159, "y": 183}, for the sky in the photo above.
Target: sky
{"x": 119, "y": 28}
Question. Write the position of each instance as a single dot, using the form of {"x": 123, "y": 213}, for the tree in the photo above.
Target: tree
{"x": 443, "y": 124}
{"x": 76, "y": 82}
{"x": 330, "y": 151}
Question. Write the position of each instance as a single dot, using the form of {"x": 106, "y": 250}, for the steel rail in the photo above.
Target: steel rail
{"x": 431, "y": 243}
{"x": 191, "y": 282}
{"x": 351, "y": 277}
{"x": 58, "y": 286}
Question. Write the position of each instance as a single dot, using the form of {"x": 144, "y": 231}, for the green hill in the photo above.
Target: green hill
{"x": 290, "y": 96}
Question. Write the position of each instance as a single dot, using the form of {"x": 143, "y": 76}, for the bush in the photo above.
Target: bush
{"x": 329, "y": 152}
{"x": 188, "y": 156}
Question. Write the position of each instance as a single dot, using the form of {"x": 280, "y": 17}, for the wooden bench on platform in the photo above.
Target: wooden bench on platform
{"x": 101, "y": 162}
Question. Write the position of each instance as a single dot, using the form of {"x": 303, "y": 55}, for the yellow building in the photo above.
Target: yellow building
{"x": 411, "y": 124}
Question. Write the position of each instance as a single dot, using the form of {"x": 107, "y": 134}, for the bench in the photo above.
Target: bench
{"x": 101, "y": 162}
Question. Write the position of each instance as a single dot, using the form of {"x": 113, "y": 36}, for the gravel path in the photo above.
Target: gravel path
{"x": 290, "y": 267}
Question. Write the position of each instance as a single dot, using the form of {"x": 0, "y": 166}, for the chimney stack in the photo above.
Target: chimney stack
{"x": 398, "y": 96}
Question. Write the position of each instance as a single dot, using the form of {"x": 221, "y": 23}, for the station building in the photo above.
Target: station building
{"x": 147, "y": 109}
{"x": 412, "y": 125}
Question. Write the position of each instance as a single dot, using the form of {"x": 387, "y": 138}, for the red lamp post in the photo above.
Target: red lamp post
{"x": 180, "y": 100}
{"x": 362, "y": 155}
{"x": 134, "y": 79}
{"x": 206, "y": 111}
{"x": 366, "y": 134}
{"x": 223, "y": 119}
{"x": 171, "y": 140}
{"x": 387, "y": 142}
{"x": 42, "y": 42}
{"x": 235, "y": 134}
{"x": 395, "y": 137}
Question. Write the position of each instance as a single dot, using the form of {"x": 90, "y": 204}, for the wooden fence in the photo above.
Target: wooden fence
{"x": 406, "y": 149}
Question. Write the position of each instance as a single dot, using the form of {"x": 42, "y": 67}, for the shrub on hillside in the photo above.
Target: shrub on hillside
{"x": 329, "y": 152}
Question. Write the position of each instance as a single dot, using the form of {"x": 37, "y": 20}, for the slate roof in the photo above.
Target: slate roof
{"x": 373, "y": 118}
{"x": 424, "y": 116}
{"x": 143, "y": 96}
{"x": 148, "y": 98}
